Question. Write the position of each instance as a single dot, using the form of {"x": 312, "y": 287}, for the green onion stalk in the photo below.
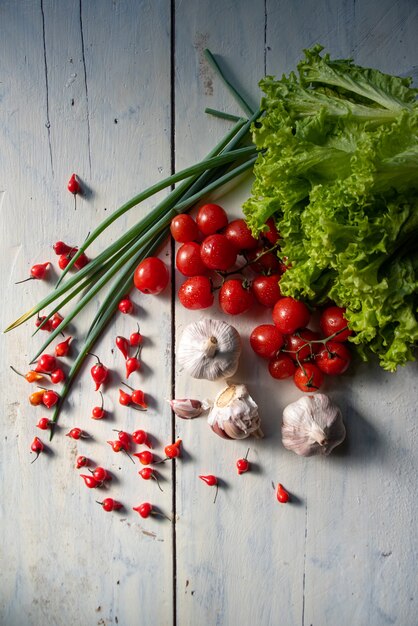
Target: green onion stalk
{"x": 115, "y": 266}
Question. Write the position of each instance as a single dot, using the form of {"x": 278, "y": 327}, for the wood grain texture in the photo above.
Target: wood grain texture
{"x": 87, "y": 87}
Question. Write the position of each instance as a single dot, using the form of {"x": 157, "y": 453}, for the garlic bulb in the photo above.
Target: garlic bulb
{"x": 312, "y": 425}
{"x": 188, "y": 409}
{"x": 209, "y": 349}
{"x": 234, "y": 414}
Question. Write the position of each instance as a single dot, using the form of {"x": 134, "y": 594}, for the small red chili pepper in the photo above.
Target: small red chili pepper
{"x": 56, "y": 320}
{"x": 132, "y": 364}
{"x": 77, "y": 433}
{"x": 37, "y": 272}
{"x": 109, "y": 504}
{"x": 125, "y": 399}
{"x": 43, "y": 324}
{"x": 146, "y": 509}
{"x": 73, "y": 185}
{"x": 57, "y": 376}
{"x": 82, "y": 461}
{"x": 123, "y": 345}
{"x": 137, "y": 397}
{"x": 243, "y": 465}
{"x": 99, "y": 372}
{"x": 90, "y": 481}
{"x": 35, "y": 398}
{"x": 46, "y": 363}
{"x": 126, "y": 306}
{"x": 173, "y": 450}
{"x": 281, "y": 494}
{"x": 81, "y": 261}
{"x": 60, "y": 247}
{"x": 145, "y": 458}
{"x": 117, "y": 446}
{"x": 136, "y": 338}
{"x": 101, "y": 475}
{"x": 98, "y": 412}
{"x": 44, "y": 423}
{"x": 148, "y": 473}
{"x": 212, "y": 481}
{"x": 37, "y": 446}
{"x": 125, "y": 438}
{"x": 30, "y": 376}
{"x": 63, "y": 261}
{"x": 50, "y": 398}
{"x": 63, "y": 348}
{"x": 141, "y": 438}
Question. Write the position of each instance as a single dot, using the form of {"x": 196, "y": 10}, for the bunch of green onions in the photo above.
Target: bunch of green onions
{"x": 229, "y": 159}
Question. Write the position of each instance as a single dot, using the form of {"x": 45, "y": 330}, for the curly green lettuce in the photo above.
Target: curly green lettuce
{"x": 338, "y": 171}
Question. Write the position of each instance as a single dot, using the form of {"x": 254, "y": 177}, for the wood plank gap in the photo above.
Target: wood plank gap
{"x": 48, "y": 121}
{"x": 304, "y": 564}
{"x": 265, "y": 37}
{"x": 173, "y": 298}
{"x": 86, "y": 91}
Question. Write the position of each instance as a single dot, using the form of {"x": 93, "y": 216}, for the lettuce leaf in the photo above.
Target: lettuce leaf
{"x": 338, "y": 171}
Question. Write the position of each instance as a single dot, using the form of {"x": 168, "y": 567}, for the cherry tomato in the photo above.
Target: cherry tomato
{"x": 281, "y": 367}
{"x": 333, "y": 321}
{"x": 266, "y": 340}
{"x": 151, "y": 276}
{"x": 334, "y": 358}
{"x": 211, "y": 218}
{"x": 240, "y": 235}
{"x": 266, "y": 289}
{"x": 308, "y": 378}
{"x": 196, "y": 293}
{"x": 234, "y": 297}
{"x": 298, "y": 347}
{"x": 189, "y": 261}
{"x": 265, "y": 262}
{"x": 217, "y": 252}
{"x": 271, "y": 233}
{"x": 290, "y": 314}
{"x": 183, "y": 228}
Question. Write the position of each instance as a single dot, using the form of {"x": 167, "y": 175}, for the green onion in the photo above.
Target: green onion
{"x": 114, "y": 267}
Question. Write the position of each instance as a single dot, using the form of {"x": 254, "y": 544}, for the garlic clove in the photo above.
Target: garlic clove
{"x": 209, "y": 349}
{"x": 312, "y": 425}
{"x": 235, "y": 414}
{"x": 187, "y": 408}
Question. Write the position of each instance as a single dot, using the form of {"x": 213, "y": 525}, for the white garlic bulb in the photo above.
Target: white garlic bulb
{"x": 312, "y": 425}
{"x": 234, "y": 414}
{"x": 209, "y": 349}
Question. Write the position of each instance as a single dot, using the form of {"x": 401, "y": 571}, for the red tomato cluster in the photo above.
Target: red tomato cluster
{"x": 293, "y": 349}
{"x": 207, "y": 257}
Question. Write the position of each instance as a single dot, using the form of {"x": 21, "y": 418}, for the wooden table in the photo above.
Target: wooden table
{"x": 115, "y": 91}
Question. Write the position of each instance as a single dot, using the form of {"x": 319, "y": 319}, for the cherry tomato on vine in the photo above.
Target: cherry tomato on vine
{"x": 196, "y": 293}
{"x": 217, "y": 253}
{"x": 265, "y": 262}
{"x": 183, "y": 228}
{"x": 211, "y": 218}
{"x": 271, "y": 233}
{"x": 151, "y": 276}
{"x": 189, "y": 261}
{"x": 308, "y": 378}
{"x": 281, "y": 367}
{"x": 298, "y": 346}
{"x": 290, "y": 314}
{"x": 332, "y": 321}
{"x": 240, "y": 235}
{"x": 234, "y": 297}
{"x": 334, "y": 358}
{"x": 266, "y": 289}
{"x": 266, "y": 340}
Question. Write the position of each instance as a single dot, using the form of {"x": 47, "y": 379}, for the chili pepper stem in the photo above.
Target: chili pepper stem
{"x": 126, "y": 452}
{"x": 216, "y": 493}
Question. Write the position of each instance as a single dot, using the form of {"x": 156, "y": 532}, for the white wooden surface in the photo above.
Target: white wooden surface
{"x": 86, "y": 87}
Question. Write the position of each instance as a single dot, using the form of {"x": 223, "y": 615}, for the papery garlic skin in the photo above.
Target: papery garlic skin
{"x": 312, "y": 425}
{"x": 234, "y": 414}
{"x": 188, "y": 409}
{"x": 209, "y": 349}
